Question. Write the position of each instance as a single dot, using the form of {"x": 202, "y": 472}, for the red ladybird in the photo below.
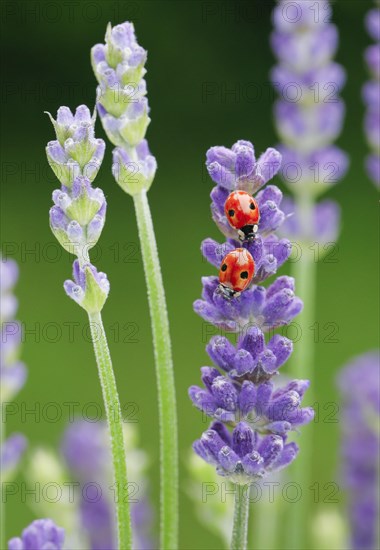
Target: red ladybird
{"x": 243, "y": 214}
{"x": 236, "y": 272}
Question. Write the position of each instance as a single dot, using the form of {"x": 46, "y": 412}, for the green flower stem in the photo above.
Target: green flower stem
{"x": 113, "y": 412}
{"x": 302, "y": 364}
{"x": 241, "y": 512}
{"x": 164, "y": 373}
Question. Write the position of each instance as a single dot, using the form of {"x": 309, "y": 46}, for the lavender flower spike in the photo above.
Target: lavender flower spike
{"x": 41, "y": 534}
{"x": 359, "y": 383}
{"x": 119, "y": 67}
{"x": 77, "y": 219}
{"x": 309, "y": 114}
{"x": 265, "y": 308}
{"x": 371, "y": 96}
{"x": 242, "y": 395}
{"x": 78, "y": 215}
{"x": 76, "y": 152}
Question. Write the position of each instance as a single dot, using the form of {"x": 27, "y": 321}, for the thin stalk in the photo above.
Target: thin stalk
{"x": 164, "y": 373}
{"x": 302, "y": 365}
{"x": 241, "y": 512}
{"x": 113, "y": 412}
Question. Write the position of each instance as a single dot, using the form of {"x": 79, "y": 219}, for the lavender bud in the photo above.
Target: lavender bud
{"x": 89, "y": 289}
{"x": 134, "y": 173}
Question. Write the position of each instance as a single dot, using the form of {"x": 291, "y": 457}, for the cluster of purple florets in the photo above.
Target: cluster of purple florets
{"x": 251, "y": 414}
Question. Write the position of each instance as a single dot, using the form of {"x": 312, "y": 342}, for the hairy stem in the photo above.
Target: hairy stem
{"x": 302, "y": 364}
{"x": 113, "y": 412}
{"x": 164, "y": 373}
{"x": 241, "y": 512}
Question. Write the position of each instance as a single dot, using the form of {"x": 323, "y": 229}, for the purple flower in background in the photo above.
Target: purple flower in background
{"x": 359, "y": 383}
{"x": 371, "y": 96}
{"x": 85, "y": 448}
{"x": 241, "y": 395}
{"x": 11, "y": 453}
{"x": 325, "y": 233}
{"x": 309, "y": 114}
{"x": 13, "y": 372}
{"x": 42, "y": 534}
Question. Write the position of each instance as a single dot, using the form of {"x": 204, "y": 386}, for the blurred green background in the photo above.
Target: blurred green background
{"x": 222, "y": 45}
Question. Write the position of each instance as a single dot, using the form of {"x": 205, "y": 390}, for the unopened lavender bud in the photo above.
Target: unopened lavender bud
{"x": 89, "y": 289}
{"x": 95, "y": 227}
{"x": 65, "y": 169}
{"x": 123, "y": 108}
{"x": 76, "y": 151}
{"x": 68, "y": 233}
{"x": 119, "y": 67}
{"x": 134, "y": 173}
{"x": 82, "y": 150}
{"x": 129, "y": 129}
{"x": 67, "y": 124}
{"x": 85, "y": 202}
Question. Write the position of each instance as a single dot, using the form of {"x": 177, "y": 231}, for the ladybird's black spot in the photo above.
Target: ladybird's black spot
{"x": 231, "y": 213}
{"x": 224, "y": 267}
{"x": 252, "y": 206}
{"x": 244, "y": 275}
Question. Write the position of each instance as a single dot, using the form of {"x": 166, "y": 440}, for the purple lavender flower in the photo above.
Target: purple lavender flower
{"x": 359, "y": 384}
{"x": 244, "y": 456}
{"x": 247, "y": 393}
{"x": 265, "y": 308}
{"x": 371, "y": 96}
{"x": 86, "y": 450}
{"x": 245, "y": 398}
{"x": 237, "y": 168}
{"x": 309, "y": 115}
{"x": 41, "y": 534}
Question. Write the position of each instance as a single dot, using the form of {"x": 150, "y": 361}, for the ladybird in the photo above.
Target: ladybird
{"x": 243, "y": 214}
{"x": 236, "y": 272}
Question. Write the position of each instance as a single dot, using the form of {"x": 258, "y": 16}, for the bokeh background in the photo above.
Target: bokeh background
{"x": 219, "y": 46}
